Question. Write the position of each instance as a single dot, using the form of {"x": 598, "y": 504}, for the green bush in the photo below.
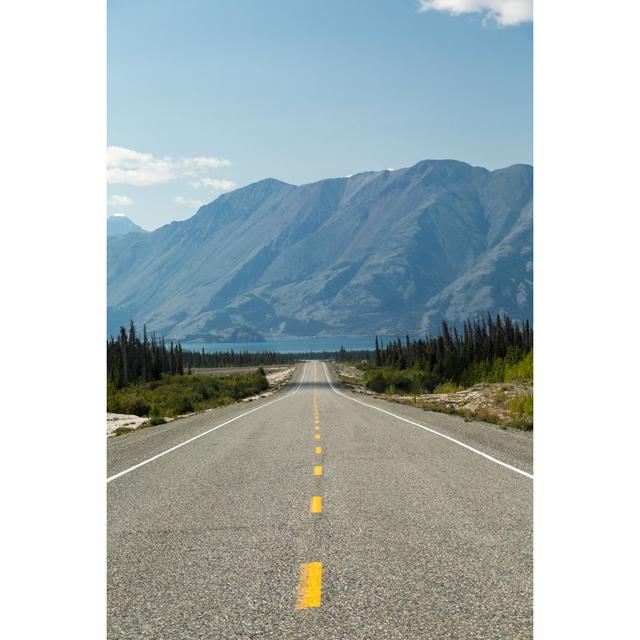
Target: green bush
{"x": 376, "y": 383}
{"x": 400, "y": 381}
{"x": 176, "y": 395}
{"x": 447, "y": 387}
{"x": 522, "y": 405}
{"x": 122, "y": 430}
{"x": 184, "y": 405}
{"x": 137, "y": 406}
{"x": 521, "y": 369}
{"x": 513, "y": 366}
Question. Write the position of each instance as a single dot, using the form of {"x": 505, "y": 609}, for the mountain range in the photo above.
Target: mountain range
{"x": 119, "y": 224}
{"x": 380, "y": 252}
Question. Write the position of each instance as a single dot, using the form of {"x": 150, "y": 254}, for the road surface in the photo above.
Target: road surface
{"x": 319, "y": 513}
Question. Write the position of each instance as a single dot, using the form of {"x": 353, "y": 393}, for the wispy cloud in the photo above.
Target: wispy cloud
{"x": 506, "y": 13}
{"x": 126, "y": 166}
{"x": 188, "y": 202}
{"x": 213, "y": 183}
{"x": 200, "y": 163}
{"x": 120, "y": 201}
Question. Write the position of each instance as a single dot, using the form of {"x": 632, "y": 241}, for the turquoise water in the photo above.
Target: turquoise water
{"x": 288, "y": 345}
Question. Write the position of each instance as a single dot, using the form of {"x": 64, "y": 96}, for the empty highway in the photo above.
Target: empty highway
{"x": 320, "y": 513}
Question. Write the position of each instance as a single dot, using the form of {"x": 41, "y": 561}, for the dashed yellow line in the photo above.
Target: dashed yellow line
{"x": 310, "y": 580}
{"x": 310, "y": 585}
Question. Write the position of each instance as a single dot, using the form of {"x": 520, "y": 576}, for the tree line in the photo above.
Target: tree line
{"x": 480, "y": 351}
{"x": 487, "y": 348}
{"x": 484, "y": 338}
{"x": 132, "y": 358}
{"x": 198, "y": 359}
{"x": 449, "y": 355}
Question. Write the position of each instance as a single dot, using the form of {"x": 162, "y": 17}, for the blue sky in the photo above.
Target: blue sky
{"x": 207, "y": 95}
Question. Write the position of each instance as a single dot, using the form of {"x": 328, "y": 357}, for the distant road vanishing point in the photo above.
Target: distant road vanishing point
{"x": 319, "y": 513}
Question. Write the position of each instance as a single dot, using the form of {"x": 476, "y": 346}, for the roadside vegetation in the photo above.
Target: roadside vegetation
{"x": 176, "y": 395}
{"x": 514, "y": 366}
{"x": 145, "y": 377}
{"x": 487, "y": 350}
{"x": 484, "y": 372}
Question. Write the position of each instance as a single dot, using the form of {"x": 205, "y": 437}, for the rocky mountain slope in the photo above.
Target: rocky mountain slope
{"x": 386, "y": 252}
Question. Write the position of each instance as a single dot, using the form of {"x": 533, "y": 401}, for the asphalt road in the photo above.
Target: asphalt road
{"x": 410, "y": 535}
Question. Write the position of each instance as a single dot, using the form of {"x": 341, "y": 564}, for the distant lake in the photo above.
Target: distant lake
{"x": 289, "y": 345}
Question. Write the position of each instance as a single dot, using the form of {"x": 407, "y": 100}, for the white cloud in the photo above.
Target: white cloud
{"x": 202, "y": 162}
{"x": 120, "y": 201}
{"x": 213, "y": 183}
{"x": 506, "y": 13}
{"x": 188, "y": 202}
{"x": 126, "y": 166}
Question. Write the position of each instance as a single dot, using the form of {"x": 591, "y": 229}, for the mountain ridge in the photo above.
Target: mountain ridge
{"x": 377, "y": 252}
{"x": 120, "y": 224}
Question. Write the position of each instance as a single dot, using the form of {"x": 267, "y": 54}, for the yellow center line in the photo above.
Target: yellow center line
{"x": 317, "y": 428}
{"x": 317, "y": 436}
{"x": 318, "y": 450}
{"x": 317, "y": 470}
{"x": 309, "y": 585}
{"x": 316, "y": 504}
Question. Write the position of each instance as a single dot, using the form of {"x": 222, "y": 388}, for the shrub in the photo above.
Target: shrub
{"x": 176, "y": 395}
{"x": 184, "y": 405}
{"x": 137, "y": 406}
{"x": 521, "y": 369}
{"x": 522, "y": 405}
{"x": 377, "y": 383}
{"x": 122, "y": 430}
{"x": 447, "y": 387}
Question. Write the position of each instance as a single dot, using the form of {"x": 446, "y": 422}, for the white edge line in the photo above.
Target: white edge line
{"x": 437, "y": 433}
{"x": 204, "y": 433}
